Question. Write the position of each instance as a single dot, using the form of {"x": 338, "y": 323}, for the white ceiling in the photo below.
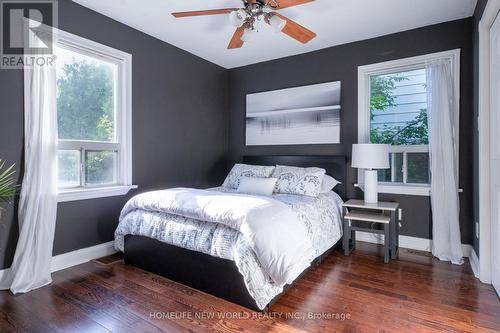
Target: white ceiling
{"x": 335, "y": 21}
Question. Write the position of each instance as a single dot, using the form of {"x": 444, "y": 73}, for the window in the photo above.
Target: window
{"x": 93, "y": 115}
{"x": 393, "y": 110}
{"x": 398, "y": 117}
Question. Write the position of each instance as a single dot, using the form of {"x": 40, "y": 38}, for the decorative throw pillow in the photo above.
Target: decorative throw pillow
{"x": 295, "y": 180}
{"x": 246, "y": 170}
{"x": 328, "y": 184}
{"x": 258, "y": 186}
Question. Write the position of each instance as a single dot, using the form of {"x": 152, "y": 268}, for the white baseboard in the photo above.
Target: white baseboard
{"x": 414, "y": 243}
{"x": 474, "y": 262}
{"x": 78, "y": 257}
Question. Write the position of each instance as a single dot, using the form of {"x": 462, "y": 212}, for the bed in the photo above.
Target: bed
{"x": 216, "y": 259}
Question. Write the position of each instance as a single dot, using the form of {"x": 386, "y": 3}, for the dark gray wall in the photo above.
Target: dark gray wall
{"x": 172, "y": 91}
{"x": 481, "y": 4}
{"x": 341, "y": 63}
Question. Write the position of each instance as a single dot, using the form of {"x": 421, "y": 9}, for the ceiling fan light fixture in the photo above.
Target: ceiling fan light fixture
{"x": 248, "y": 35}
{"x": 247, "y": 20}
{"x": 277, "y": 23}
{"x": 237, "y": 17}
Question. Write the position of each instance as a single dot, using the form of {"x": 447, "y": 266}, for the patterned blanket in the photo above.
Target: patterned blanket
{"x": 321, "y": 217}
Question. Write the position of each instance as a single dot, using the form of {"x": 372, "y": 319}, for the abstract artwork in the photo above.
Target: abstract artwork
{"x": 294, "y": 116}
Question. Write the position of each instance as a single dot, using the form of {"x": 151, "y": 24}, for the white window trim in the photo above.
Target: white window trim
{"x": 364, "y": 73}
{"x": 491, "y": 11}
{"x": 124, "y": 123}
{"x": 74, "y": 194}
{"x": 403, "y": 189}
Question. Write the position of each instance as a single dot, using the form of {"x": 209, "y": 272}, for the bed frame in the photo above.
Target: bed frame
{"x": 217, "y": 276}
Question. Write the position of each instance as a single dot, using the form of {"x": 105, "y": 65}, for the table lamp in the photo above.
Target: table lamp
{"x": 370, "y": 157}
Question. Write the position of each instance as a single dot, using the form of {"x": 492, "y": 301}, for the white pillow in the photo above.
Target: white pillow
{"x": 296, "y": 180}
{"x": 328, "y": 184}
{"x": 245, "y": 170}
{"x": 258, "y": 186}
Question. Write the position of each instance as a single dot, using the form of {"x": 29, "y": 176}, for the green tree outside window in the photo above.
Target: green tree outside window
{"x": 414, "y": 132}
{"x": 85, "y": 111}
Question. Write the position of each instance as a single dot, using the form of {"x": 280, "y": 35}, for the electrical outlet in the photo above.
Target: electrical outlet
{"x": 400, "y": 214}
{"x": 477, "y": 230}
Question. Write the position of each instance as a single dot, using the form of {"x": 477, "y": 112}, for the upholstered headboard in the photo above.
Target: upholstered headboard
{"x": 335, "y": 166}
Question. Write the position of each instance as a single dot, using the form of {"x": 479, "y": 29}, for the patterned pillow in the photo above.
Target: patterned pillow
{"x": 295, "y": 180}
{"x": 246, "y": 170}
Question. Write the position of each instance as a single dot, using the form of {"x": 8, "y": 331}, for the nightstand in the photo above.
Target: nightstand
{"x": 380, "y": 214}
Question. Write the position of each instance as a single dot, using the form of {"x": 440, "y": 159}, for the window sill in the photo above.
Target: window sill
{"x": 93, "y": 193}
{"x": 420, "y": 190}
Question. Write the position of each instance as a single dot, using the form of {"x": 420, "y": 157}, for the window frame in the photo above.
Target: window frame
{"x": 123, "y": 118}
{"x": 364, "y": 92}
{"x": 405, "y": 150}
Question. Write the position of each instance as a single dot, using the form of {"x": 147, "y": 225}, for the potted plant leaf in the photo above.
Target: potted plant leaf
{"x": 8, "y": 186}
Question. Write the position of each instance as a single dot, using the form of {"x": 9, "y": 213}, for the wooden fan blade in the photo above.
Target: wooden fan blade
{"x": 296, "y": 31}
{"x": 204, "y": 12}
{"x": 236, "y": 41}
{"x": 291, "y": 3}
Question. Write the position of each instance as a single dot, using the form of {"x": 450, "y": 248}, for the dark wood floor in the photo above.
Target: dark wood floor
{"x": 413, "y": 294}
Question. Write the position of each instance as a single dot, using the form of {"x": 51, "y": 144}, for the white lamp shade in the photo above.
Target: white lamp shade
{"x": 370, "y": 156}
{"x": 277, "y": 23}
{"x": 237, "y": 17}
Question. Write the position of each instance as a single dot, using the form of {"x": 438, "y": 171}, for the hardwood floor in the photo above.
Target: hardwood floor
{"x": 351, "y": 294}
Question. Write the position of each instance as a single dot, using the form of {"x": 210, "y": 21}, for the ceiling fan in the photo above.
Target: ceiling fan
{"x": 245, "y": 20}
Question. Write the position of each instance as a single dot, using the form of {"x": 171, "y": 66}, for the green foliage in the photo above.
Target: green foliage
{"x": 381, "y": 91}
{"x": 8, "y": 187}
{"x": 85, "y": 112}
{"x": 105, "y": 128}
{"x": 414, "y": 132}
{"x": 100, "y": 167}
{"x": 85, "y": 102}
{"x": 418, "y": 168}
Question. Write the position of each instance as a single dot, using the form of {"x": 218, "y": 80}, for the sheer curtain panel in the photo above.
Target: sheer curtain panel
{"x": 31, "y": 267}
{"x": 446, "y": 243}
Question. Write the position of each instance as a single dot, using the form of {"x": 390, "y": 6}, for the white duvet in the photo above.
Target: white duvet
{"x": 269, "y": 226}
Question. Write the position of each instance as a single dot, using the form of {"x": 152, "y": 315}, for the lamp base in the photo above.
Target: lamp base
{"x": 371, "y": 183}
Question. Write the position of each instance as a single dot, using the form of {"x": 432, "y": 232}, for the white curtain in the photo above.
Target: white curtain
{"x": 446, "y": 243}
{"x": 31, "y": 267}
